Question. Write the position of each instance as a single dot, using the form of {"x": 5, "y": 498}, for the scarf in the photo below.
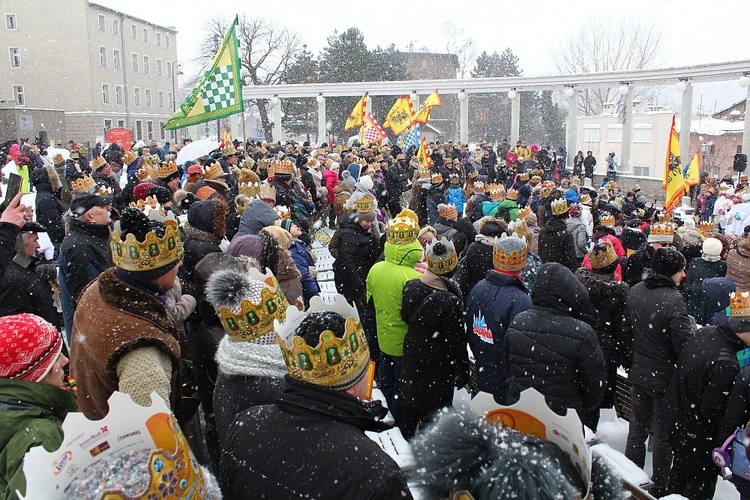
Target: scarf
{"x": 250, "y": 359}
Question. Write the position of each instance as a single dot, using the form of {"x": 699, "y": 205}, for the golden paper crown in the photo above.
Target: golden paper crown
{"x": 213, "y": 171}
{"x": 264, "y": 163}
{"x": 58, "y": 159}
{"x": 510, "y": 253}
{"x": 665, "y": 218}
{"x": 365, "y": 205}
{"x": 98, "y": 162}
{"x": 228, "y": 149}
{"x": 523, "y": 213}
{"x": 424, "y": 173}
{"x": 448, "y": 211}
{"x": 129, "y": 157}
{"x": 402, "y": 229}
{"x": 662, "y": 229}
{"x": 153, "y": 253}
{"x": 283, "y": 167}
{"x": 143, "y": 173}
{"x": 607, "y": 219}
{"x": 104, "y": 191}
{"x": 83, "y": 184}
{"x": 706, "y": 228}
{"x": 248, "y": 163}
{"x": 283, "y": 212}
{"x": 249, "y": 189}
{"x": 254, "y": 316}
{"x": 152, "y": 161}
{"x": 523, "y": 176}
{"x": 436, "y": 179}
{"x": 479, "y": 187}
{"x": 445, "y": 263}
{"x": 512, "y": 194}
{"x": 739, "y": 304}
{"x": 496, "y": 191}
{"x": 559, "y": 206}
{"x": 336, "y": 363}
{"x": 141, "y": 205}
{"x": 518, "y": 227}
{"x": 535, "y": 179}
{"x": 601, "y": 259}
{"x": 164, "y": 170}
{"x": 267, "y": 191}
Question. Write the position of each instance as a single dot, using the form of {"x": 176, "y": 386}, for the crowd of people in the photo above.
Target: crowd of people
{"x": 492, "y": 268}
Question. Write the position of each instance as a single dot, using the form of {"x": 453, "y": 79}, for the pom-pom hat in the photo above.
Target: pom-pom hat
{"x": 441, "y": 257}
{"x": 29, "y": 347}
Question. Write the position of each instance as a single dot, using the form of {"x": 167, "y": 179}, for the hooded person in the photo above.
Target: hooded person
{"x": 256, "y": 216}
{"x": 709, "y": 265}
{"x": 205, "y": 229}
{"x": 435, "y": 359}
{"x": 123, "y": 336}
{"x": 575, "y": 226}
{"x": 50, "y": 208}
{"x": 717, "y": 291}
{"x": 318, "y": 413}
{"x": 556, "y": 244}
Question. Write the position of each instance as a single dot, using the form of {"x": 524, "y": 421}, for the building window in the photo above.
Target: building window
{"x": 160, "y": 99}
{"x": 146, "y": 66}
{"x": 614, "y": 133}
{"x": 137, "y": 96}
{"x": 15, "y": 57}
{"x": 107, "y": 124}
{"x": 135, "y": 63}
{"x": 147, "y": 97}
{"x": 145, "y": 35}
{"x": 169, "y": 69}
{"x": 116, "y": 59}
{"x": 166, "y": 41}
{"x": 105, "y": 93}
{"x": 103, "y": 57}
{"x": 170, "y": 99}
{"x": 18, "y": 95}
{"x": 592, "y": 133}
{"x": 162, "y": 132}
{"x": 150, "y": 130}
{"x": 118, "y": 95}
{"x": 121, "y": 123}
{"x": 158, "y": 67}
{"x": 641, "y": 171}
{"x": 158, "y": 39}
{"x": 133, "y": 32}
{"x": 643, "y": 132}
{"x": 10, "y": 22}
{"x": 101, "y": 23}
{"x": 115, "y": 27}
{"x": 138, "y": 130}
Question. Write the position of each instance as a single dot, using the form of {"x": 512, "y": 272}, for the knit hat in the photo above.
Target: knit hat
{"x": 141, "y": 190}
{"x": 250, "y": 245}
{"x": 162, "y": 194}
{"x": 282, "y": 236}
{"x": 29, "y": 347}
{"x": 602, "y": 255}
{"x": 712, "y": 247}
{"x": 209, "y": 216}
{"x": 441, "y": 257}
{"x": 510, "y": 253}
{"x": 667, "y": 261}
{"x": 84, "y": 202}
{"x": 285, "y": 224}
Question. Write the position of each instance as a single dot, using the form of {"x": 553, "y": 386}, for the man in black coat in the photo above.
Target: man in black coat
{"x": 458, "y": 231}
{"x": 589, "y": 164}
{"x": 311, "y": 442}
{"x": 661, "y": 327}
{"x": 636, "y": 267}
{"x": 555, "y": 242}
{"x": 49, "y": 206}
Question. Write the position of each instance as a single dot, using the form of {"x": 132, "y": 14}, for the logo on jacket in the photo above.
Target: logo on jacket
{"x": 481, "y": 330}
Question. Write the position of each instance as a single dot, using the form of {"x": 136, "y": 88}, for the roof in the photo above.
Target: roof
{"x": 132, "y": 18}
{"x": 714, "y": 126}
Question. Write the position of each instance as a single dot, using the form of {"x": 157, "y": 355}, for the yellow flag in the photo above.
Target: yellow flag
{"x": 433, "y": 100}
{"x": 399, "y": 117}
{"x": 674, "y": 181}
{"x": 357, "y": 116}
{"x": 693, "y": 172}
{"x": 423, "y": 154}
{"x": 422, "y": 116}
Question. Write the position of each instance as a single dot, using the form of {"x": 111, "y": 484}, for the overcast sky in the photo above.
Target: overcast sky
{"x": 694, "y": 32}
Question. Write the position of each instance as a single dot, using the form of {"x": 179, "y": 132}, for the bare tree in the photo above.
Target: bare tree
{"x": 455, "y": 43}
{"x": 614, "y": 44}
{"x": 266, "y": 49}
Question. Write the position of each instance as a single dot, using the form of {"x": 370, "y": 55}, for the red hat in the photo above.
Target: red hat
{"x": 29, "y": 346}
{"x": 140, "y": 192}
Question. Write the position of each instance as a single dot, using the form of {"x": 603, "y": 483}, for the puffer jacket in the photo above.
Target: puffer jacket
{"x": 357, "y": 251}
{"x": 548, "y": 349}
{"x": 556, "y": 244}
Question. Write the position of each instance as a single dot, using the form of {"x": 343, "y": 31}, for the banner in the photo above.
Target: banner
{"x": 423, "y": 115}
{"x": 423, "y": 154}
{"x": 219, "y": 93}
{"x": 674, "y": 181}
{"x": 357, "y": 116}
{"x": 409, "y": 138}
{"x": 399, "y": 117}
{"x": 692, "y": 172}
{"x": 371, "y": 131}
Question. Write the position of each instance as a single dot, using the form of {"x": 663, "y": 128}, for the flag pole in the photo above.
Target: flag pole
{"x": 244, "y": 134}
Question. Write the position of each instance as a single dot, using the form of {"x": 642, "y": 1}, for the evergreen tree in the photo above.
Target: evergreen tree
{"x": 300, "y": 114}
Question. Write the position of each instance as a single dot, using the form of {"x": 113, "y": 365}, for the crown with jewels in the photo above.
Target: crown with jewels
{"x": 496, "y": 191}
{"x": 228, "y": 149}
{"x": 424, "y": 173}
{"x": 336, "y": 363}
{"x": 249, "y": 189}
{"x": 248, "y": 163}
{"x": 524, "y": 176}
{"x": 153, "y": 253}
{"x": 104, "y": 191}
{"x": 283, "y": 167}
{"x": 602, "y": 255}
{"x": 365, "y": 205}
{"x": 264, "y": 163}
{"x": 129, "y": 157}
{"x": 151, "y": 161}
{"x": 143, "y": 173}
{"x": 454, "y": 179}
{"x": 441, "y": 264}
{"x": 512, "y": 194}
{"x": 518, "y": 227}
{"x": 607, "y": 220}
{"x": 98, "y": 162}
{"x": 739, "y": 304}
{"x": 559, "y": 206}
{"x": 164, "y": 170}
{"x": 141, "y": 205}
{"x": 535, "y": 179}
{"x": 665, "y": 218}
{"x": 213, "y": 171}
{"x": 82, "y": 184}
{"x": 479, "y": 187}
{"x": 662, "y": 229}
{"x": 402, "y": 229}
{"x": 510, "y": 253}
{"x": 283, "y": 212}
{"x": 267, "y": 192}
{"x": 448, "y": 211}
{"x": 523, "y": 213}
{"x": 436, "y": 179}
{"x": 706, "y": 229}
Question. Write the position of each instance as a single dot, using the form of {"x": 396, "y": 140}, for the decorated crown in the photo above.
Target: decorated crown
{"x": 706, "y": 228}
{"x": 424, "y": 173}
{"x": 523, "y": 213}
{"x": 283, "y": 167}
{"x": 83, "y": 184}
{"x": 249, "y": 189}
{"x": 58, "y": 159}
{"x": 662, "y": 229}
{"x": 283, "y": 212}
{"x": 337, "y": 363}
{"x": 739, "y": 304}
{"x": 103, "y": 191}
{"x": 454, "y": 179}
{"x": 535, "y": 179}
{"x": 267, "y": 191}
{"x": 213, "y": 171}
{"x": 264, "y": 163}
{"x": 559, "y": 206}
{"x": 524, "y": 176}
{"x": 228, "y": 149}
{"x": 512, "y": 194}
{"x": 248, "y": 163}
{"x": 665, "y": 218}
{"x": 143, "y": 173}
{"x": 436, "y": 179}
{"x": 603, "y": 256}
{"x": 518, "y": 227}
{"x": 152, "y": 161}
{"x": 510, "y": 253}
{"x": 402, "y": 229}
{"x": 448, "y": 211}
{"x": 496, "y": 191}
{"x": 479, "y": 187}
{"x": 129, "y": 157}
{"x": 141, "y": 205}
{"x": 153, "y": 253}
{"x": 98, "y": 162}
{"x": 444, "y": 263}
{"x": 164, "y": 170}
{"x": 365, "y": 205}
{"x": 607, "y": 219}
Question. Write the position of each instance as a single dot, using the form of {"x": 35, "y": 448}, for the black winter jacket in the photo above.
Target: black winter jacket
{"x": 49, "y": 212}
{"x": 23, "y": 291}
{"x": 737, "y": 408}
{"x": 358, "y": 249}
{"x": 549, "y": 349}
{"x": 310, "y": 443}
{"x": 8, "y": 235}
{"x": 473, "y": 266}
{"x": 556, "y": 244}
{"x": 637, "y": 265}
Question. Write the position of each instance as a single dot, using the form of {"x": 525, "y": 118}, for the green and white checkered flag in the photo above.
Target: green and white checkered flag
{"x": 219, "y": 93}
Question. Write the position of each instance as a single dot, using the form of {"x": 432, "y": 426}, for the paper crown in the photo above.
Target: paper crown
{"x": 665, "y": 218}
{"x": 249, "y": 189}
{"x": 559, "y": 206}
{"x": 248, "y": 163}
{"x": 496, "y": 191}
{"x": 662, "y": 229}
{"x": 213, "y": 171}
{"x": 58, "y": 159}
{"x": 436, "y": 179}
{"x": 143, "y": 173}
{"x": 264, "y": 163}
{"x": 283, "y": 167}
{"x": 602, "y": 255}
{"x": 444, "y": 263}
{"x": 706, "y": 229}
{"x": 267, "y": 192}
{"x": 424, "y": 173}
{"x": 142, "y": 205}
{"x": 152, "y": 161}
{"x": 228, "y": 149}
{"x": 518, "y": 227}
{"x": 479, "y": 187}
{"x": 535, "y": 179}
{"x": 607, "y": 220}
{"x": 98, "y": 162}
{"x": 336, "y": 363}
{"x": 510, "y": 253}
{"x": 283, "y": 212}
{"x": 83, "y": 184}
{"x": 454, "y": 179}
{"x": 512, "y": 194}
{"x": 252, "y": 315}
{"x": 739, "y": 304}
{"x": 365, "y": 205}
{"x": 402, "y": 229}
{"x": 447, "y": 211}
{"x": 164, "y": 170}
{"x": 524, "y": 176}
{"x": 523, "y": 213}
{"x": 103, "y": 191}
{"x": 153, "y": 253}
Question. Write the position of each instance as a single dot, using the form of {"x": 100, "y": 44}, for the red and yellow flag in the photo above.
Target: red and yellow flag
{"x": 433, "y": 100}
{"x": 371, "y": 131}
{"x": 423, "y": 115}
{"x": 423, "y": 154}
{"x": 357, "y": 116}
{"x": 674, "y": 181}
{"x": 399, "y": 117}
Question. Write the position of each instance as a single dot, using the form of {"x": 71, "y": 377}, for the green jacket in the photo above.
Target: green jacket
{"x": 31, "y": 414}
{"x": 385, "y": 284}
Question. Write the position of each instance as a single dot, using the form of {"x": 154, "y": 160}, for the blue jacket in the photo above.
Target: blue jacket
{"x": 491, "y": 306}
{"x": 303, "y": 261}
{"x": 457, "y": 198}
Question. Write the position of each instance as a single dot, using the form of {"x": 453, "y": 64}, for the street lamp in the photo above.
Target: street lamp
{"x": 512, "y": 94}
{"x": 569, "y": 91}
